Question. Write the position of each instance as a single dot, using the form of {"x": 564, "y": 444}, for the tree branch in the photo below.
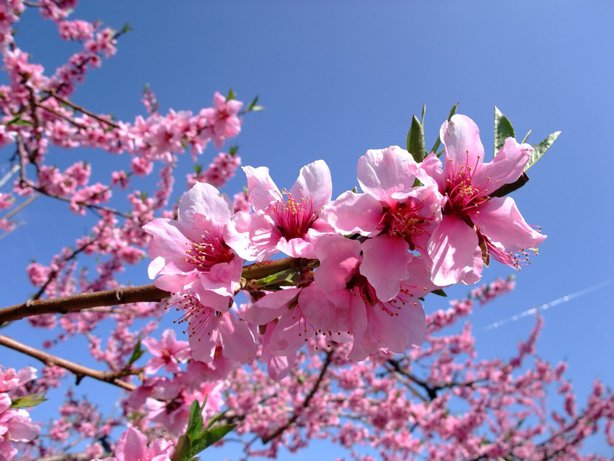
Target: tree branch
{"x": 82, "y": 301}
{"x": 79, "y": 371}
{"x": 127, "y": 295}
{"x": 310, "y": 395}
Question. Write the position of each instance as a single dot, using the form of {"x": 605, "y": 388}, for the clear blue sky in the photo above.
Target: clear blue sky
{"x": 340, "y": 77}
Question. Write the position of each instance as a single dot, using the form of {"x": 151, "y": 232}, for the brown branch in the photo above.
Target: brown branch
{"x": 78, "y": 108}
{"x": 127, "y": 295}
{"x": 305, "y": 404}
{"x": 62, "y": 116}
{"x": 82, "y": 301}
{"x": 79, "y": 371}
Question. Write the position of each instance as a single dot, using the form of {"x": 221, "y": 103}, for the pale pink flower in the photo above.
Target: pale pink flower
{"x": 167, "y": 353}
{"x": 223, "y": 119}
{"x": 133, "y": 446}
{"x": 398, "y": 216}
{"x": 211, "y": 331}
{"x": 343, "y": 305}
{"x": 474, "y": 223}
{"x": 288, "y": 222}
{"x": 190, "y": 252}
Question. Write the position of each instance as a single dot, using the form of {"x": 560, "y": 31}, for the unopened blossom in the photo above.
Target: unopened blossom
{"x": 282, "y": 221}
{"x": 474, "y": 223}
{"x": 190, "y": 252}
{"x": 398, "y": 216}
{"x": 167, "y": 353}
{"x": 343, "y": 305}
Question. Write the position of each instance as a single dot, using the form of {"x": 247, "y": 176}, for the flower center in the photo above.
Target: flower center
{"x": 463, "y": 195}
{"x": 293, "y": 217}
{"x": 208, "y": 252}
{"x": 404, "y": 220}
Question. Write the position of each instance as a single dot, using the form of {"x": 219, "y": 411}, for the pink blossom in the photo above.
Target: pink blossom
{"x": 167, "y": 353}
{"x": 211, "y": 332}
{"x": 343, "y": 305}
{"x": 398, "y": 216}
{"x": 290, "y": 225}
{"x": 133, "y": 446}
{"x": 475, "y": 223}
{"x": 223, "y": 119}
{"x": 190, "y": 252}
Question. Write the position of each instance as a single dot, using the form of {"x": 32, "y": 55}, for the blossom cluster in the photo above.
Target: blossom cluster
{"x": 15, "y": 422}
{"x": 356, "y": 267}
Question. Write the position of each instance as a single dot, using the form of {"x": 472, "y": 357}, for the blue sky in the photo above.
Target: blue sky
{"x": 338, "y": 78}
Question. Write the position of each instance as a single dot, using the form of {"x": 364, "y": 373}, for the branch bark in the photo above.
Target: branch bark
{"x": 79, "y": 371}
{"x": 127, "y": 295}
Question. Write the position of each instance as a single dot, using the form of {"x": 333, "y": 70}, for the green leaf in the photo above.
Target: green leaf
{"x": 526, "y": 136}
{"x": 423, "y": 114}
{"x": 503, "y": 129}
{"x": 198, "y": 168}
{"x": 195, "y": 423}
{"x": 28, "y": 401}
{"x": 509, "y": 188}
{"x": 540, "y": 149}
{"x": 253, "y": 106}
{"x": 450, "y": 114}
{"x": 231, "y": 95}
{"x": 137, "y": 353}
{"x": 216, "y": 434}
{"x": 440, "y": 292}
{"x": 415, "y": 140}
{"x": 233, "y": 150}
{"x": 18, "y": 122}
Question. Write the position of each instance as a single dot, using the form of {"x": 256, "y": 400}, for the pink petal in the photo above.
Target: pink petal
{"x": 384, "y": 263}
{"x": 260, "y": 187}
{"x": 132, "y": 446}
{"x": 451, "y": 248}
{"x": 382, "y": 172}
{"x": 314, "y": 181}
{"x": 252, "y": 236}
{"x": 506, "y": 168}
{"x": 353, "y": 213}
{"x": 463, "y": 147}
{"x": 270, "y": 306}
{"x": 500, "y": 221}
{"x": 203, "y": 199}
{"x": 168, "y": 242}
{"x": 21, "y": 429}
{"x": 238, "y": 340}
{"x": 339, "y": 258}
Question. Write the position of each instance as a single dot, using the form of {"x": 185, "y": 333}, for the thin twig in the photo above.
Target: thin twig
{"x": 305, "y": 404}
{"x": 79, "y": 371}
{"x": 78, "y": 108}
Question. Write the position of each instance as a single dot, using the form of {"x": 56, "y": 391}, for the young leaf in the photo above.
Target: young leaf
{"x": 28, "y": 401}
{"x": 540, "y": 149}
{"x": 440, "y": 292}
{"x": 231, "y": 95}
{"x": 503, "y": 129}
{"x": 509, "y": 188}
{"x": 415, "y": 140}
{"x": 137, "y": 353}
{"x": 254, "y": 106}
{"x": 195, "y": 423}
{"x": 217, "y": 433}
{"x": 438, "y": 141}
{"x": 423, "y": 114}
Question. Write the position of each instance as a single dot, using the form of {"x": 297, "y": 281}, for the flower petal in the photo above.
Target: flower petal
{"x": 206, "y": 200}
{"x": 353, "y": 213}
{"x": 500, "y": 221}
{"x": 451, "y": 248}
{"x": 314, "y": 181}
{"x": 260, "y": 187}
{"x": 463, "y": 147}
{"x": 506, "y": 168}
{"x": 382, "y": 172}
{"x": 384, "y": 263}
